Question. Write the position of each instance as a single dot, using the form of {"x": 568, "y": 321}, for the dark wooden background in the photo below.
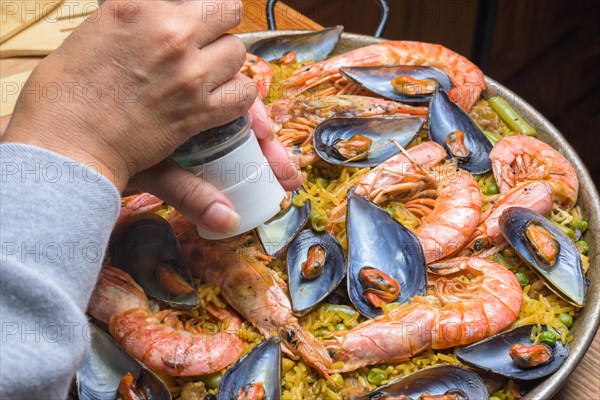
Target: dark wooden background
{"x": 547, "y": 51}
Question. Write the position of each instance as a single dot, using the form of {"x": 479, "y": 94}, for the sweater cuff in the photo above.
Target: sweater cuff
{"x": 57, "y": 216}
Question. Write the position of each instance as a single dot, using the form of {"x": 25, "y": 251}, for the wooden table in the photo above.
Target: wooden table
{"x": 584, "y": 383}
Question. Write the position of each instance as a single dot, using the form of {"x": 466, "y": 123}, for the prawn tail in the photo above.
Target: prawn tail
{"x": 115, "y": 292}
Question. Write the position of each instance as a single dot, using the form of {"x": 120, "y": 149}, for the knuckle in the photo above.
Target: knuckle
{"x": 173, "y": 37}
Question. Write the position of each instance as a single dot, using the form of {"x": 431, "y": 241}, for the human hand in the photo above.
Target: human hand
{"x": 144, "y": 77}
{"x": 200, "y": 201}
{"x": 162, "y": 79}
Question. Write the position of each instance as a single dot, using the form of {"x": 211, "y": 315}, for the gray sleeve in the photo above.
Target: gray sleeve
{"x": 56, "y": 217}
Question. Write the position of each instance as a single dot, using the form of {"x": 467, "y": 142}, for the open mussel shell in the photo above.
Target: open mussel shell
{"x": 99, "y": 374}
{"x": 306, "y": 293}
{"x": 377, "y": 240}
{"x": 566, "y": 277}
{"x": 381, "y": 130}
{"x": 147, "y": 249}
{"x": 436, "y": 381}
{"x": 379, "y": 80}
{"x": 277, "y": 233}
{"x": 262, "y": 365}
{"x": 311, "y": 46}
{"x": 491, "y": 355}
{"x": 445, "y": 117}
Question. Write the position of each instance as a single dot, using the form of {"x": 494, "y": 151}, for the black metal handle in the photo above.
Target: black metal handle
{"x": 383, "y": 21}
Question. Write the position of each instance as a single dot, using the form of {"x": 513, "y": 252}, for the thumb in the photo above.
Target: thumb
{"x": 202, "y": 203}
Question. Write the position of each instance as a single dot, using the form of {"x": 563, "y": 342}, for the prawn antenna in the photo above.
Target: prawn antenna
{"x": 411, "y": 159}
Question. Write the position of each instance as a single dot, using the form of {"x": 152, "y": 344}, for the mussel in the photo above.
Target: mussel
{"x": 547, "y": 250}
{"x": 405, "y": 83}
{"x": 258, "y": 371}
{"x": 279, "y": 231}
{"x": 147, "y": 249}
{"x": 311, "y": 46}
{"x": 493, "y": 355}
{"x": 99, "y": 375}
{"x": 452, "y": 128}
{"x": 377, "y": 240}
{"x": 341, "y": 141}
{"x": 435, "y": 381}
{"x": 306, "y": 292}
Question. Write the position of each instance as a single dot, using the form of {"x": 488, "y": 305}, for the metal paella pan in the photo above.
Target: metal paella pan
{"x": 588, "y": 319}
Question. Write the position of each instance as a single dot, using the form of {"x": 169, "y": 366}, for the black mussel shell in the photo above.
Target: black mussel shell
{"x": 261, "y": 365}
{"x": 99, "y": 374}
{"x": 445, "y": 117}
{"x": 147, "y": 249}
{"x": 566, "y": 277}
{"x": 311, "y": 46}
{"x": 379, "y": 80}
{"x": 435, "y": 381}
{"x": 377, "y": 240}
{"x": 277, "y": 233}
{"x": 491, "y": 355}
{"x": 381, "y": 130}
{"x": 307, "y": 293}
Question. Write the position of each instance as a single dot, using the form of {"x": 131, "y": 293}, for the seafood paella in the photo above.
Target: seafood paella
{"x": 436, "y": 249}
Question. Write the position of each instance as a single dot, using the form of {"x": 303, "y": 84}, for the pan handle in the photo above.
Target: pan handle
{"x": 383, "y": 21}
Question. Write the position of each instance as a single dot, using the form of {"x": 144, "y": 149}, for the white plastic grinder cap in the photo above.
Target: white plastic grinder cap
{"x": 230, "y": 158}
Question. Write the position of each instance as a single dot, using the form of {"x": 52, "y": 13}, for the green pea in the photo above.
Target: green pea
{"x": 548, "y": 338}
{"x": 522, "y": 278}
{"x": 376, "y": 376}
{"x": 580, "y": 224}
{"x": 341, "y": 327}
{"x": 212, "y": 381}
{"x": 337, "y": 378}
{"x": 500, "y": 259}
{"x": 477, "y": 177}
{"x": 566, "y": 320}
{"x": 583, "y": 246}
{"x": 492, "y": 189}
{"x": 568, "y": 231}
{"x": 321, "y": 332}
{"x": 318, "y": 221}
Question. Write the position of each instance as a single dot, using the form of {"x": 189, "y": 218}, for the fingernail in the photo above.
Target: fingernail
{"x": 221, "y": 218}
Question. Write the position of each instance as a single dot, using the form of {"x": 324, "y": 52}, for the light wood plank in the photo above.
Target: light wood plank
{"x": 44, "y": 36}
{"x": 15, "y": 16}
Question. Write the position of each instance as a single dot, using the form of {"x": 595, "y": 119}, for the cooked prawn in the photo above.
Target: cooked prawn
{"x": 523, "y": 158}
{"x": 396, "y": 172}
{"x": 324, "y": 77}
{"x": 162, "y": 340}
{"x": 294, "y": 119}
{"x": 487, "y": 238}
{"x": 472, "y": 299}
{"x": 252, "y": 289}
{"x": 260, "y": 72}
{"x": 445, "y": 198}
{"x": 138, "y": 204}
